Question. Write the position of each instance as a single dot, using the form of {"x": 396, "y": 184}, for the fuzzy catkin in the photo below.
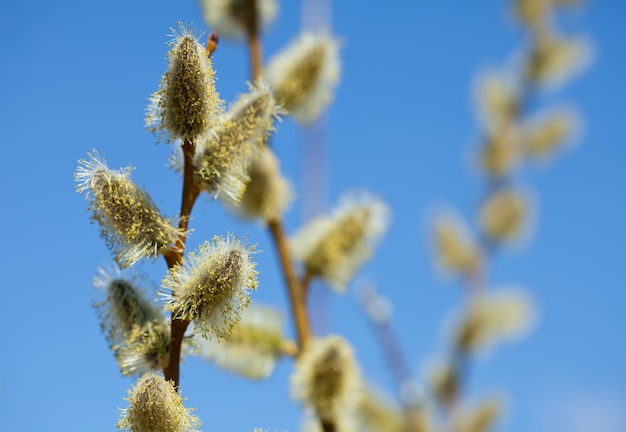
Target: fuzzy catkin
{"x": 156, "y": 406}
{"x": 129, "y": 220}
{"x": 211, "y": 287}
{"x": 326, "y": 378}
{"x": 186, "y": 105}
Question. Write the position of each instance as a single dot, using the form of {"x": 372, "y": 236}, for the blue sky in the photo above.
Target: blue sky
{"x": 76, "y": 76}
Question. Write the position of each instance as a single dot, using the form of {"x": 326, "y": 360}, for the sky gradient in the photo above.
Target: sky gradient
{"x": 76, "y": 76}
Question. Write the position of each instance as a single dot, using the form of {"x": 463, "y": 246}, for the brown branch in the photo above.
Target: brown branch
{"x": 174, "y": 257}
{"x": 254, "y": 42}
{"x": 295, "y": 292}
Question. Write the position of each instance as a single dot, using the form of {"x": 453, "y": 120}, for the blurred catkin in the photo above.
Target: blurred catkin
{"x": 334, "y": 247}
{"x": 304, "y": 75}
{"x": 327, "y": 380}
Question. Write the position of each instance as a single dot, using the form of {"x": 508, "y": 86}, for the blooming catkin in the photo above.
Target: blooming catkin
{"x": 334, "y": 247}
{"x": 326, "y": 378}
{"x": 211, "y": 287}
{"x": 156, "y": 406}
{"x": 455, "y": 251}
{"x": 135, "y": 328}
{"x": 252, "y": 348}
{"x": 492, "y": 319}
{"x": 128, "y": 218}
{"x": 225, "y": 153}
{"x": 552, "y": 131}
{"x": 268, "y": 194}
{"x": 504, "y": 215}
{"x": 230, "y": 18}
{"x": 186, "y": 104}
{"x": 304, "y": 75}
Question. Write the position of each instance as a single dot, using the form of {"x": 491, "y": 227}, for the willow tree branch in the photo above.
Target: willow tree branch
{"x": 297, "y": 298}
{"x": 175, "y": 256}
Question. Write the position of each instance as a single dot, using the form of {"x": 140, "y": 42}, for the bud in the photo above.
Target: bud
{"x": 334, "y": 247}
{"x": 304, "y": 75}
{"x": 489, "y": 320}
{"x": 268, "y": 194}
{"x": 225, "y": 154}
{"x": 129, "y": 220}
{"x": 504, "y": 215}
{"x": 155, "y": 405}
{"x": 326, "y": 378}
{"x": 230, "y": 18}
{"x": 455, "y": 252}
{"x": 186, "y": 103}
{"x": 211, "y": 287}
{"x": 253, "y": 346}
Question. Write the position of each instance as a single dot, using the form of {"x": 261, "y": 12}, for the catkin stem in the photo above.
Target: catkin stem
{"x": 175, "y": 256}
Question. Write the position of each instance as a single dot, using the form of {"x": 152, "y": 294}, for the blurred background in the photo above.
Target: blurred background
{"x": 76, "y": 76}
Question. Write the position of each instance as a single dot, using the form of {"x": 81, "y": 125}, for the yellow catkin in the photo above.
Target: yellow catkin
{"x": 268, "y": 194}
{"x": 491, "y": 319}
{"x": 225, "y": 154}
{"x": 186, "y": 105}
{"x": 504, "y": 215}
{"x": 303, "y": 76}
{"x": 334, "y": 247}
{"x": 326, "y": 379}
{"x": 211, "y": 287}
{"x": 135, "y": 328}
{"x": 547, "y": 135}
{"x": 155, "y": 405}
{"x": 230, "y": 17}
{"x": 455, "y": 251}
{"x": 129, "y": 220}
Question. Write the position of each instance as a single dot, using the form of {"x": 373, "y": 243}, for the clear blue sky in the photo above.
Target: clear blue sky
{"x": 76, "y": 76}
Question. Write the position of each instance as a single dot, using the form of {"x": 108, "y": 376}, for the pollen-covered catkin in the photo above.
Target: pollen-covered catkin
{"x": 135, "y": 328}
{"x": 156, "y": 406}
{"x": 334, "y": 247}
{"x": 128, "y": 218}
{"x": 304, "y": 75}
{"x": 230, "y": 18}
{"x": 326, "y": 379}
{"x": 490, "y": 319}
{"x": 253, "y": 347}
{"x": 268, "y": 194}
{"x": 225, "y": 153}
{"x": 211, "y": 287}
{"x": 186, "y": 105}
{"x": 504, "y": 215}
{"x": 455, "y": 251}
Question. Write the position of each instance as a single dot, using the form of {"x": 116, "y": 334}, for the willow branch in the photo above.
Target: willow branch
{"x": 254, "y": 42}
{"x": 175, "y": 256}
{"x": 297, "y": 298}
